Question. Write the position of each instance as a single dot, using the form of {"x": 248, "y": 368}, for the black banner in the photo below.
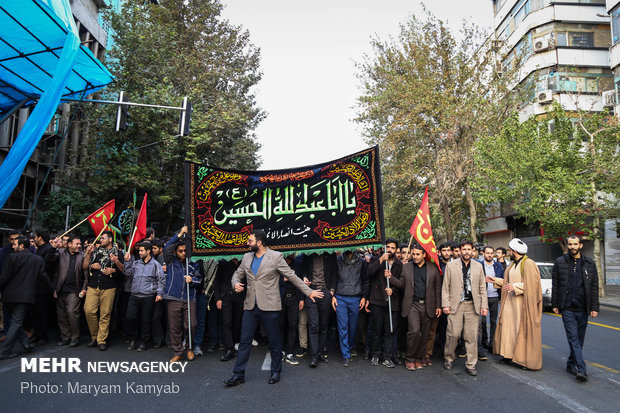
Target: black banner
{"x": 322, "y": 207}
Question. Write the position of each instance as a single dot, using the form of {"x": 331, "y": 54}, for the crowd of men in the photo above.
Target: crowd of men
{"x": 392, "y": 306}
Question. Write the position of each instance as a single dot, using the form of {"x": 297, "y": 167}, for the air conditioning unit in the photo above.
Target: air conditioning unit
{"x": 545, "y": 96}
{"x": 609, "y": 98}
{"x": 544, "y": 43}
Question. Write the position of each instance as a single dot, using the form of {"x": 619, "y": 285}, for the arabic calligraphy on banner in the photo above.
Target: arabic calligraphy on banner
{"x": 329, "y": 205}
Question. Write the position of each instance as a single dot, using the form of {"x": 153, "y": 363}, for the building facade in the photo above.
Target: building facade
{"x": 562, "y": 49}
{"x": 94, "y": 34}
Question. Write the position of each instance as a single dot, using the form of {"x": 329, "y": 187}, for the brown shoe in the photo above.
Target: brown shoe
{"x": 427, "y": 361}
{"x": 418, "y": 365}
{"x": 410, "y": 366}
{"x": 191, "y": 355}
{"x": 176, "y": 359}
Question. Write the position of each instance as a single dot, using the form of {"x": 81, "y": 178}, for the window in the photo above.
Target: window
{"x": 574, "y": 39}
{"x": 615, "y": 25}
{"x": 581, "y": 39}
{"x": 560, "y": 39}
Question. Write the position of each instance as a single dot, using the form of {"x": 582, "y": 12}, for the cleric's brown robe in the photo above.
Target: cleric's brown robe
{"x": 528, "y": 345}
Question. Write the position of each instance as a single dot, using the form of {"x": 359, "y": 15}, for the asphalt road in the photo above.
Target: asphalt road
{"x": 330, "y": 387}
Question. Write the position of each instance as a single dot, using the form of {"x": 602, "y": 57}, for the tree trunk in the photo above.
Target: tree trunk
{"x": 445, "y": 209}
{"x": 473, "y": 215}
{"x": 596, "y": 239}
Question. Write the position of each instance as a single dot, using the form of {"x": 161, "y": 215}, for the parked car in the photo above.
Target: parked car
{"x": 545, "y": 282}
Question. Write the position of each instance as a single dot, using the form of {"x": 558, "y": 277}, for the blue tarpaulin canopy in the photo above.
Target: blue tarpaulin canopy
{"x": 41, "y": 60}
{"x": 32, "y": 35}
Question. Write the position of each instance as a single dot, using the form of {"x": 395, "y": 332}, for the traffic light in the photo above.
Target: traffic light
{"x": 122, "y": 113}
{"x": 186, "y": 117}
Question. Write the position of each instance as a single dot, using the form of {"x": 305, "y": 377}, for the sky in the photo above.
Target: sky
{"x": 308, "y": 53}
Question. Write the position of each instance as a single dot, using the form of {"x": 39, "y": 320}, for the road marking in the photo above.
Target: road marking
{"x": 600, "y": 366}
{"x": 267, "y": 362}
{"x": 38, "y": 354}
{"x": 590, "y": 322}
{"x": 559, "y": 397}
{"x": 546, "y": 347}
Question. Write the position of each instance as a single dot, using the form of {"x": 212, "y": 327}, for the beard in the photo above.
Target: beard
{"x": 254, "y": 248}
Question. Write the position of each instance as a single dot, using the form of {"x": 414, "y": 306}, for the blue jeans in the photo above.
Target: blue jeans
{"x": 575, "y": 324}
{"x": 271, "y": 321}
{"x": 347, "y": 314}
{"x": 201, "y": 317}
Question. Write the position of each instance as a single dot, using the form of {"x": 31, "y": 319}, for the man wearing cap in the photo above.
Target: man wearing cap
{"x": 518, "y": 335}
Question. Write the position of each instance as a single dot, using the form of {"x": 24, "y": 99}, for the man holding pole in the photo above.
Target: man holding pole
{"x": 180, "y": 300}
{"x": 103, "y": 267}
{"x": 381, "y": 299}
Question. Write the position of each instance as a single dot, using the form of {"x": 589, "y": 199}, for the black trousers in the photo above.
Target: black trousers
{"x": 289, "y": 319}
{"x": 38, "y": 316}
{"x": 380, "y": 322}
{"x": 440, "y": 335}
{"x": 140, "y": 313}
{"x": 493, "y": 312}
{"x": 159, "y": 327}
{"x": 232, "y": 313}
{"x": 318, "y": 321}
{"x": 15, "y": 332}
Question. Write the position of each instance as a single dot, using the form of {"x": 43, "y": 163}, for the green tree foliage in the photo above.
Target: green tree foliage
{"x": 163, "y": 52}
{"x": 425, "y": 99}
{"x": 54, "y": 215}
{"x": 562, "y": 171}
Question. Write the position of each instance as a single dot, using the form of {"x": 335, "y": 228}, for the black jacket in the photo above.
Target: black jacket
{"x": 378, "y": 284}
{"x": 20, "y": 274}
{"x": 48, "y": 253}
{"x": 330, "y": 270}
{"x": 560, "y": 280}
{"x": 223, "y": 278}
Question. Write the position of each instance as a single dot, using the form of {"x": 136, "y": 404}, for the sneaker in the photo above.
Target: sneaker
{"x": 581, "y": 376}
{"x": 301, "y": 352}
{"x": 462, "y": 355}
{"x": 291, "y": 359}
{"x": 353, "y": 353}
{"x": 254, "y": 343}
{"x": 198, "y": 351}
{"x": 237, "y": 346}
{"x": 571, "y": 370}
{"x": 323, "y": 357}
{"x": 346, "y": 362}
{"x": 388, "y": 363}
{"x": 447, "y": 365}
{"x": 374, "y": 361}
{"x": 482, "y": 356}
{"x": 211, "y": 348}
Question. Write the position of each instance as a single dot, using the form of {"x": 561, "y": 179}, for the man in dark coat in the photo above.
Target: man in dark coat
{"x": 18, "y": 282}
{"x": 574, "y": 294}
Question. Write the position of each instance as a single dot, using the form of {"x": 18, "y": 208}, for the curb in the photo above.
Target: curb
{"x": 608, "y": 304}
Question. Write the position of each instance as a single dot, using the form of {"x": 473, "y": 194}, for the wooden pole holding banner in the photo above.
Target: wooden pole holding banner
{"x": 74, "y": 227}
{"x": 133, "y": 234}
{"x": 409, "y": 247}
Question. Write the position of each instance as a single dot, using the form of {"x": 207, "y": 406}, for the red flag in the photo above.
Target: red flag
{"x": 422, "y": 232}
{"x": 140, "y": 228}
{"x": 105, "y": 213}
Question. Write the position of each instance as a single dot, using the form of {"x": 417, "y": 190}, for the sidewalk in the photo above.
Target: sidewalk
{"x": 612, "y": 296}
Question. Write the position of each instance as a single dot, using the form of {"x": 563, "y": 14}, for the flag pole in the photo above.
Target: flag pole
{"x": 74, "y": 227}
{"x": 133, "y": 234}
{"x": 409, "y": 247}
{"x": 387, "y": 280}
